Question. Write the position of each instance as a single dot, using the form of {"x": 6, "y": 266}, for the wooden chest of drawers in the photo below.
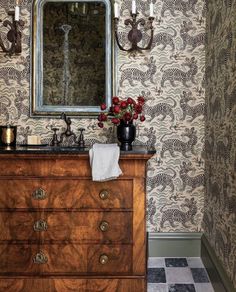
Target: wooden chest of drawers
{"x": 62, "y": 232}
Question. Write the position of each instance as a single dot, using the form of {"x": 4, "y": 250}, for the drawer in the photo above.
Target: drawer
{"x": 73, "y": 285}
{"x": 65, "y": 193}
{"x": 79, "y": 227}
{"x": 17, "y": 259}
{"x": 65, "y": 259}
{"x": 105, "y": 259}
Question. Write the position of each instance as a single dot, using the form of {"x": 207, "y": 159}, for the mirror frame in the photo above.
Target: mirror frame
{"x": 37, "y": 109}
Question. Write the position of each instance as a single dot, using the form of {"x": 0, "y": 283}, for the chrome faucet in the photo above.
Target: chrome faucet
{"x": 67, "y": 133}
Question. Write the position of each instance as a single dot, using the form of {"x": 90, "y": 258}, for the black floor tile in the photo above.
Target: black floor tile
{"x": 199, "y": 275}
{"x": 176, "y": 262}
{"x": 156, "y": 275}
{"x": 181, "y": 288}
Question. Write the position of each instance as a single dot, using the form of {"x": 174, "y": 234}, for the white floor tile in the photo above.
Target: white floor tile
{"x": 157, "y": 288}
{"x": 156, "y": 262}
{"x": 195, "y": 263}
{"x": 203, "y": 287}
{"x": 178, "y": 276}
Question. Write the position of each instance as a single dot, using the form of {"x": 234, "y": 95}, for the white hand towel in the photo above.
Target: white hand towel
{"x": 104, "y": 161}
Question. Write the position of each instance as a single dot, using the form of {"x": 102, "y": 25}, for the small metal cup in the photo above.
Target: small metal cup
{"x": 8, "y": 135}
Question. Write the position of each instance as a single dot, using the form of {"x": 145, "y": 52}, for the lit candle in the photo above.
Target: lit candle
{"x": 151, "y": 10}
{"x": 17, "y": 11}
{"x": 133, "y": 7}
{"x": 116, "y": 10}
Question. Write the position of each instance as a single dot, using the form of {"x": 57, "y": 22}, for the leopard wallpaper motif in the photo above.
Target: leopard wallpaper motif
{"x": 219, "y": 220}
{"x": 171, "y": 78}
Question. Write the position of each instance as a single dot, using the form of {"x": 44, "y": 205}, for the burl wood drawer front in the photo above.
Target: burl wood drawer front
{"x": 107, "y": 259}
{"x": 65, "y": 259}
{"x": 17, "y": 259}
{"x": 72, "y": 285}
{"x": 65, "y": 193}
{"x": 79, "y": 227}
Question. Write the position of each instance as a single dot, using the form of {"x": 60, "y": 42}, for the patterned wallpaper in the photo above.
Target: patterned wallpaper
{"x": 220, "y": 201}
{"x": 171, "y": 77}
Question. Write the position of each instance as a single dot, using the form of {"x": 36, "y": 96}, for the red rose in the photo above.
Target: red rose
{"x": 141, "y": 100}
{"x": 130, "y": 100}
{"x": 115, "y": 100}
{"x": 100, "y": 125}
{"x": 116, "y": 109}
{"x": 142, "y": 118}
{"x": 115, "y": 121}
{"x": 123, "y": 104}
{"x": 103, "y": 117}
{"x": 103, "y": 106}
{"x": 138, "y": 108}
{"x": 99, "y": 117}
{"x": 127, "y": 116}
{"x": 135, "y": 116}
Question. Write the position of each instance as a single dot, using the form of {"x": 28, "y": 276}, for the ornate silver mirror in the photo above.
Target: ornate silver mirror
{"x": 71, "y": 57}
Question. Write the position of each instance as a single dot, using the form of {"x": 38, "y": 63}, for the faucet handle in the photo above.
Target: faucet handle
{"x": 55, "y": 141}
{"x": 81, "y": 138}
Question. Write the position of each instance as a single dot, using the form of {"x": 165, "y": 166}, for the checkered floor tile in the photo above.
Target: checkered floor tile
{"x": 177, "y": 275}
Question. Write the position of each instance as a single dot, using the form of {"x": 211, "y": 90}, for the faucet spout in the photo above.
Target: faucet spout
{"x": 68, "y": 133}
{"x": 67, "y": 120}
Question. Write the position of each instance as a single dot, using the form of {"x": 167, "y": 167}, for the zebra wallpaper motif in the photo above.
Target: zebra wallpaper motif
{"x": 171, "y": 78}
{"x": 219, "y": 220}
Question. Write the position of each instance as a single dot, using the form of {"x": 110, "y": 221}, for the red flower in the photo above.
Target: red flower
{"x": 142, "y": 118}
{"x": 123, "y": 104}
{"x": 115, "y": 121}
{"x": 115, "y": 100}
{"x": 141, "y": 100}
{"x": 126, "y": 110}
{"x": 103, "y": 117}
{"x": 103, "y": 106}
{"x": 130, "y": 100}
{"x": 116, "y": 109}
{"x": 135, "y": 116}
{"x": 127, "y": 116}
{"x": 99, "y": 118}
{"x": 138, "y": 108}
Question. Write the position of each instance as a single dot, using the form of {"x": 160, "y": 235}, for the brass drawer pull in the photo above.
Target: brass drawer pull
{"x": 39, "y": 194}
{"x": 103, "y": 259}
{"x": 104, "y": 194}
{"x": 40, "y": 225}
{"x": 40, "y": 258}
{"x": 104, "y": 226}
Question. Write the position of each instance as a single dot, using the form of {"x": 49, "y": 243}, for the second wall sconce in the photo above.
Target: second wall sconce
{"x": 14, "y": 34}
{"x": 134, "y": 35}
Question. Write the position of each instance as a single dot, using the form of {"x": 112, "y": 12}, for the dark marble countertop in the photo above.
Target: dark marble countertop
{"x": 66, "y": 150}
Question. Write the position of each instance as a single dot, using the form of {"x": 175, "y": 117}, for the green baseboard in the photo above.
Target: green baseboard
{"x": 219, "y": 279}
{"x": 175, "y": 244}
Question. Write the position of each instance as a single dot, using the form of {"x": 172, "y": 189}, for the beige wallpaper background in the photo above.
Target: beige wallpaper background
{"x": 171, "y": 77}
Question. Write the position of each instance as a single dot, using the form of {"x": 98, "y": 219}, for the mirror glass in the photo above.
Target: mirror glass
{"x": 72, "y": 57}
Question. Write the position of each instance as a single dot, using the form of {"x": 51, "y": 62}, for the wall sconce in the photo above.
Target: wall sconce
{"x": 135, "y": 34}
{"x": 13, "y": 35}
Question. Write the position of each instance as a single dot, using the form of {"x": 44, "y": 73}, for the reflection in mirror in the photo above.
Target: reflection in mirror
{"x": 74, "y": 63}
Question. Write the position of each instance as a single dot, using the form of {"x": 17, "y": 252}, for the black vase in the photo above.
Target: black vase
{"x": 126, "y": 132}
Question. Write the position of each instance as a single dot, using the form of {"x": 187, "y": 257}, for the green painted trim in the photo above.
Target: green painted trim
{"x": 175, "y": 244}
{"x": 219, "y": 278}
